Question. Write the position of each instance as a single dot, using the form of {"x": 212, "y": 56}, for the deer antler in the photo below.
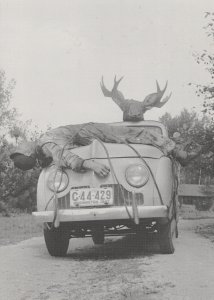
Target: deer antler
{"x": 116, "y": 95}
{"x": 154, "y": 99}
{"x": 161, "y": 103}
{"x": 134, "y": 110}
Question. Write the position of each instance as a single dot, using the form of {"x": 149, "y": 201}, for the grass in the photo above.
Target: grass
{"x": 207, "y": 231}
{"x": 18, "y": 227}
{"x": 189, "y": 212}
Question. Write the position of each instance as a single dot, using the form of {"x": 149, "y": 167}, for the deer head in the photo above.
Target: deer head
{"x": 134, "y": 110}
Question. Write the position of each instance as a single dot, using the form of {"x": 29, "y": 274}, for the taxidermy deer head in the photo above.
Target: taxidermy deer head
{"x": 134, "y": 110}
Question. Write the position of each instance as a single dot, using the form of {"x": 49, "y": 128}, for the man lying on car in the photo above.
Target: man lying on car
{"x": 55, "y": 146}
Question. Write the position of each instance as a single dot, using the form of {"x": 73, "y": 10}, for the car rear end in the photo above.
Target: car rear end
{"x": 86, "y": 196}
{"x": 136, "y": 194}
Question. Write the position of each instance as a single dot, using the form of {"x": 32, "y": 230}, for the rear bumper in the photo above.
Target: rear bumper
{"x": 100, "y": 214}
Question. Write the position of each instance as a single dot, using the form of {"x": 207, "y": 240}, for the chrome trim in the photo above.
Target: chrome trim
{"x": 99, "y": 214}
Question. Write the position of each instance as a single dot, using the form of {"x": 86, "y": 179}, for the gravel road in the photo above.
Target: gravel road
{"x": 123, "y": 268}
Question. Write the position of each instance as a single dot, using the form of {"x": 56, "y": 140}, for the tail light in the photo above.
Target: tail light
{"x": 137, "y": 175}
{"x": 57, "y": 181}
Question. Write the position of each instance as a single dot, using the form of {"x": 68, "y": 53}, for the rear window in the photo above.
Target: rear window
{"x": 152, "y": 129}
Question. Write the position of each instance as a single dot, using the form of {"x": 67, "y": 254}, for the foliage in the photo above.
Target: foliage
{"x": 206, "y": 91}
{"x": 7, "y": 114}
{"x": 24, "y": 131}
{"x": 206, "y": 58}
{"x": 194, "y": 130}
{"x": 17, "y": 188}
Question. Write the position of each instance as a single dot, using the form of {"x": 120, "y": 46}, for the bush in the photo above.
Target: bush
{"x": 17, "y": 188}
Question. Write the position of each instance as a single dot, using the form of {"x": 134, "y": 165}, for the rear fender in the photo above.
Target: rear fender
{"x": 165, "y": 180}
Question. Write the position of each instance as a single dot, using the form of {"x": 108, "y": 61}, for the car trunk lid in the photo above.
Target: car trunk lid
{"x": 100, "y": 150}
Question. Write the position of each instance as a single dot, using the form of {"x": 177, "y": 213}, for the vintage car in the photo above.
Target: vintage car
{"x": 138, "y": 196}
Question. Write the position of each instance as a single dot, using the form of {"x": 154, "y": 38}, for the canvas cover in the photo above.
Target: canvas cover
{"x": 59, "y": 142}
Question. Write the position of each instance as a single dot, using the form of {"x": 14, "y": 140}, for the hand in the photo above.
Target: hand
{"x": 100, "y": 169}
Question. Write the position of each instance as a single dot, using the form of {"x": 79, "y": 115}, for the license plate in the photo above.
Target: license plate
{"x": 91, "y": 197}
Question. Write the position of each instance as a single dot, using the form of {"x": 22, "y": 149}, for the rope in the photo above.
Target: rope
{"x": 115, "y": 176}
{"x": 54, "y": 196}
{"x": 144, "y": 161}
{"x": 153, "y": 177}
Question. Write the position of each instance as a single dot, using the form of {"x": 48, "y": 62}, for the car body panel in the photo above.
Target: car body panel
{"x": 118, "y": 157}
{"x": 97, "y": 151}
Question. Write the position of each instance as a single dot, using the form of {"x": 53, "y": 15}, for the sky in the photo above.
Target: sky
{"x": 57, "y": 52}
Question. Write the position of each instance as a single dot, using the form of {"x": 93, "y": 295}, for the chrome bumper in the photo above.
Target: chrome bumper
{"x": 99, "y": 214}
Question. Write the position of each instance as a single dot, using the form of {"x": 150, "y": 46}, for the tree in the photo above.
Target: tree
{"x": 196, "y": 130}
{"x": 17, "y": 188}
{"x": 7, "y": 114}
{"x": 206, "y": 91}
{"x": 206, "y": 58}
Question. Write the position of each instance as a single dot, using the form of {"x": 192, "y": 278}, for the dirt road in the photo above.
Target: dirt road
{"x": 120, "y": 269}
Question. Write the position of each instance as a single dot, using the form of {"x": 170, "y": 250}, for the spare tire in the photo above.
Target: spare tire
{"x": 166, "y": 234}
{"x": 56, "y": 240}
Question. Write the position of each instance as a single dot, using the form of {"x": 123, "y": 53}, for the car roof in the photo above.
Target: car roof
{"x": 144, "y": 123}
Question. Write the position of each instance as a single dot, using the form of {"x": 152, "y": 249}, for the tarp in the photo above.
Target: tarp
{"x": 59, "y": 142}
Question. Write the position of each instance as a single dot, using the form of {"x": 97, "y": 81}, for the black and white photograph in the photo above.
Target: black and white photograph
{"x": 106, "y": 150}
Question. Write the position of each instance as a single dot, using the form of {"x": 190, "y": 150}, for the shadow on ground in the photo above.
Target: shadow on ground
{"x": 118, "y": 248}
